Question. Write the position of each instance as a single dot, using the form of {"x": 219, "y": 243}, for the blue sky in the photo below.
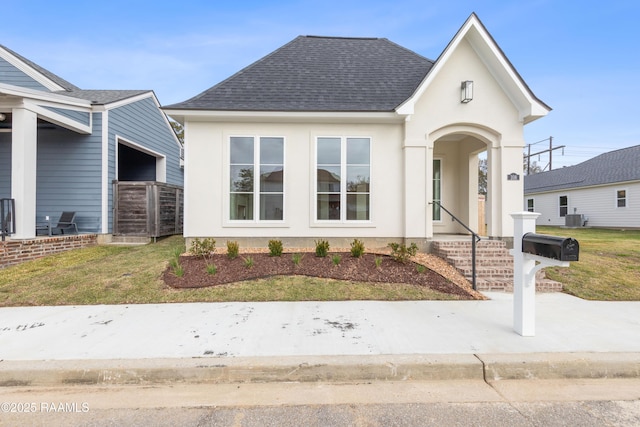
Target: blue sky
{"x": 583, "y": 61}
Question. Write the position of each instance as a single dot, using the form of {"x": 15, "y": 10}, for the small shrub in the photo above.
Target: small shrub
{"x": 378, "y": 261}
{"x": 248, "y": 262}
{"x": 174, "y": 261}
{"x": 178, "y": 270}
{"x": 296, "y": 258}
{"x": 212, "y": 269}
{"x": 176, "y": 252}
{"x": 233, "y": 249}
{"x": 203, "y": 248}
{"x": 322, "y": 248}
{"x": 357, "y": 248}
{"x": 336, "y": 259}
{"x": 275, "y": 247}
{"x": 401, "y": 253}
{"x": 420, "y": 268}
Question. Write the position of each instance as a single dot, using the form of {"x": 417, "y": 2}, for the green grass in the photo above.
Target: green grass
{"x": 133, "y": 275}
{"x": 609, "y": 265}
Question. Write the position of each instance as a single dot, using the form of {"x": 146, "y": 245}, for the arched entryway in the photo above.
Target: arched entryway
{"x": 455, "y": 158}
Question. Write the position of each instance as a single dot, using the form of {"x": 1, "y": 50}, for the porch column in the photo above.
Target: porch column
{"x": 415, "y": 192}
{"x": 429, "y": 179}
{"x": 505, "y": 195}
{"x": 23, "y": 171}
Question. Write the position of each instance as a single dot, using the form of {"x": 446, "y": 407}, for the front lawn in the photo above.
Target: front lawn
{"x": 609, "y": 266}
{"x": 133, "y": 275}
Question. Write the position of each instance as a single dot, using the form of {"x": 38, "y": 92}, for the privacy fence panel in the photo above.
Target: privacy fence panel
{"x": 147, "y": 208}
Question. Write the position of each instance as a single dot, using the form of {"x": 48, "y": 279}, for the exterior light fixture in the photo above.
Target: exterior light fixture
{"x": 466, "y": 91}
{"x": 2, "y": 117}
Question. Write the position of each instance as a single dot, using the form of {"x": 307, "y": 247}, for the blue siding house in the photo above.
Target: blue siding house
{"x": 61, "y": 147}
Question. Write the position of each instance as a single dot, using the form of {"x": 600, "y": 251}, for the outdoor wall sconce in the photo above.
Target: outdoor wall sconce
{"x": 466, "y": 91}
{"x": 513, "y": 177}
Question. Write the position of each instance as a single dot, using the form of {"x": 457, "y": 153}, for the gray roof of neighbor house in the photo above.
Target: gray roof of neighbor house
{"x": 615, "y": 166}
{"x": 313, "y": 73}
{"x": 99, "y": 97}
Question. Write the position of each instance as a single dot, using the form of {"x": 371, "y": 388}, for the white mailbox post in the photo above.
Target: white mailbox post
{"x": 525, "y": 266}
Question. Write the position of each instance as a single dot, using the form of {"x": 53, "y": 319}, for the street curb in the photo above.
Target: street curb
{"x": 561, "y": 366}
{"x": 241, "y": 370}
{"x": 438, "y": 367}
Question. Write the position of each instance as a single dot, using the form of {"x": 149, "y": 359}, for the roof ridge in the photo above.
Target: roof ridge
{"x": 342, "y": 37}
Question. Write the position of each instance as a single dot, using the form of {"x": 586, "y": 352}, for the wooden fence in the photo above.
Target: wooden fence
{"x": 147, "y": 208}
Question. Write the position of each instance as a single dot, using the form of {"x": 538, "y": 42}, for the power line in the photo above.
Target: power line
{"x": 550, "y": 150}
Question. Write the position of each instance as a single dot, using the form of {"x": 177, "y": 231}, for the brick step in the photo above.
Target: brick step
{"x": 494, "y": 265}
{"x": 463, "y": 243}
{"x": 463, "y": 261}
{"x": 467, "y": 254}
{"x": 488, "y": 273}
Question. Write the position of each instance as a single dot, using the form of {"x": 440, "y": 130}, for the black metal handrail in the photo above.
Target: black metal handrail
{"x": 475, "y": 238}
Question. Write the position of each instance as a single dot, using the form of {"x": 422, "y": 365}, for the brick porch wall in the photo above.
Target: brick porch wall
{"x": 17, "y": 251}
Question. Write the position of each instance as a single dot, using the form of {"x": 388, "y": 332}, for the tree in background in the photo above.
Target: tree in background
{"x": 178, "y": 129}
{"x": 482, "y": 176}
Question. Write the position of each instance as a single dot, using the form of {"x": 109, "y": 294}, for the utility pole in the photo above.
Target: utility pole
{"x": 549, "y": 150}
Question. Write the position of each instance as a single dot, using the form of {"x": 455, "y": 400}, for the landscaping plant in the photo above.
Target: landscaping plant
{"x": 275, "y": 247}
{"x": 322, "y": 248}
{"x": 401, "y": 253}
{"x": 233, "y": 249}
{"x": 357, "y": 248}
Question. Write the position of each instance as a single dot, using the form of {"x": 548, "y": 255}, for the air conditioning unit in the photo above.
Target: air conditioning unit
{"x": 575, "y": 220}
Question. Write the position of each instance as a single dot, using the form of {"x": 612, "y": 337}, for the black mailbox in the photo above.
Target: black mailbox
{"x": 560, "y": 248}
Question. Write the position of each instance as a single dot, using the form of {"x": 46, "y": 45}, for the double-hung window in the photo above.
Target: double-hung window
{"x": 621, "y": 198}
{"x": 262, "y": 191}
{"x": 530, "y": 207}
{"x": 563, "y": 203}
{"x": 343, "y": 176}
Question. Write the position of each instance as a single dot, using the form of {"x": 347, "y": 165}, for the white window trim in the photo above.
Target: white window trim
{"x": 626, "y": 198}
{"x": 560, "y": 206}
{"x": 343, "y": 221}
{"x": 256, "y": 221}
{"x": 533, "y": 204}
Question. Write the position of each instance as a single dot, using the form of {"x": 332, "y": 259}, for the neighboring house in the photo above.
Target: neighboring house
{"x": 61, "y": 147}
{"x": 605, "y": 189}
{"x": 338, "y": 138}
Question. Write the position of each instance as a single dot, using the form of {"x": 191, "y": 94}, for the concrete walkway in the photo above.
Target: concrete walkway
{"x": 247, "y": 335}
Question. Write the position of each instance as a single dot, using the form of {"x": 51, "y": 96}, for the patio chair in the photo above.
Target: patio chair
{"x": 66, "y": 222}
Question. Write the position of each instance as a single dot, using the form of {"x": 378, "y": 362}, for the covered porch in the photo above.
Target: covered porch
{"x": 28, "y": 118}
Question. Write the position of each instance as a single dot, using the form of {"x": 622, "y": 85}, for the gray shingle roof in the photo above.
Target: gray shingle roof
{"x": 615, "y": 166}
{"x": 313, "y": 73}
{"x": 101, "y": 97}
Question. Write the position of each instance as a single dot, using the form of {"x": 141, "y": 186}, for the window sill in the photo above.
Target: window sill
{"x": 252, "y": 224}
{"x": 337, "y": 224}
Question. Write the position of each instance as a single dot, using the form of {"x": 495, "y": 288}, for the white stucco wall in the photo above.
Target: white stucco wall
{"x": 207, "y": 177}
{"x": 490, "y": 121}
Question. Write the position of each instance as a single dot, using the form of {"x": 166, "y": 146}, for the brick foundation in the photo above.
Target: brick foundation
{"x": 14, "y": 252}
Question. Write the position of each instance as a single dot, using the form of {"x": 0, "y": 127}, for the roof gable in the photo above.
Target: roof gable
{"x": 41, "y": 75}
{"x": 529, "y": 106}
{"x": 609, "y": 168}
{"x": 320, "y": 74}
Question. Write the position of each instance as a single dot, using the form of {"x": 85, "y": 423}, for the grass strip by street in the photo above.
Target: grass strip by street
{"x": 133, "y": 275}
{"x": 609, "y": 266}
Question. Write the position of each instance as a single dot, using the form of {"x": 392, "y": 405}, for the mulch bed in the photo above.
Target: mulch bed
{"x": 362, "y": 269}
